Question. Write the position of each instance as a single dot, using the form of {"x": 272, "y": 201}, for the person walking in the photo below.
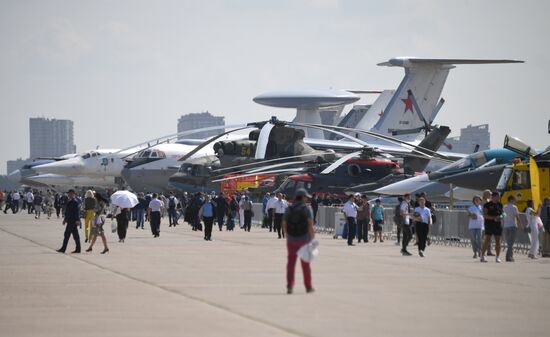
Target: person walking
{"x": 377, "y": 219}
{"x": 279, "y": 210}
{"x": 222, "y": 208}
{"x": 38, "y": 203}
{"x": 72, "y": 221}
{"x": 350, "y": 212}
{"x": 122, "y": 224}
{"x": 405, "y": 212}
{"x": 398, "y": 220}
{"x": 475, "y": 225}
{"x": 532, "y": 222}
{"x": 492, "y": 215}
{"x": 298, "y": 228}
{"x": 57, "y": 204}
{"x": 63, "y": 200}
{"x": 29, "y": 198}
{"x": 233, "y": 208}
{"x": 315, "y": 208}
{"x": 363, "y": 219}
{"x": 8, "y": 204}
{"x": 485, "y": 198}
{"x": 140, "y": 210}
{"x": 545, "y": 217}
{"x": 154, "y": 209}
{"x": 90, "y": 204}
{"x": 246, "y": 206}
{"x": 510, "y": 226}
{"x": 16, "y": 197}
{"x": 206, "y": 213}
{"x": 172, "y": 210}
{"x": 423, "y": 217}
{"x": 270, "y": 208}
{"x": 265, "y": 200}
{"x": 98, "y": 222}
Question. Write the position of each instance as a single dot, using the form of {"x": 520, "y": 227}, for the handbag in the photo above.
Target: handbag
{"x": 113, "y": 225}
{"x": 99, "y": 220}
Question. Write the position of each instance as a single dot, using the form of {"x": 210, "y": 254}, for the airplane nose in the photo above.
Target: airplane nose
{"x": 64, "y": 167}
{"x": 15, "y": 177}
{"x": 404, "y": 186}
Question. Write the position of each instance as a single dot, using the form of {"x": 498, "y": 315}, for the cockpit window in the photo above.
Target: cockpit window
{"x": 458, "y": 165}
{"x": 154, "y": 154}
{"x": 86, "y": 156}
{"x": 478, "y": 159}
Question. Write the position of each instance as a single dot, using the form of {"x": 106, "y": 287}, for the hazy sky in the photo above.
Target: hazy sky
{"x": 124, "y": 71}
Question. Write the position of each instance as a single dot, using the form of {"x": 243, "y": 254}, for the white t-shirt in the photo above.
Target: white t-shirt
{"x": 511, "y": 212}
{"x": 531, "y": 219}
{"x": 155, "y": 205}
{"x": 280, "y": 206}
{"x": 271, "y": 202}
{"x": 425, "y": 214}
{"x": 16, "y": 196}
{"x": 30, "y": 197}
{"x": 478, "y": 222}
{"x": 350, "y": 209}
{"x": 405, "y": 208}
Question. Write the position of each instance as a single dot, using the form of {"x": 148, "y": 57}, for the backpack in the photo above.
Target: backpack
{"x": 172, "y": 203}
{"x": 296, "y": 220}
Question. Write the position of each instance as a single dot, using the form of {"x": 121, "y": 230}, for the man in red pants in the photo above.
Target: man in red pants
{"x": 298, "y": 227}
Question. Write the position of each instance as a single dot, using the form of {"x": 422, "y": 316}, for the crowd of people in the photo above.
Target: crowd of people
{"x": 488, "y": 219}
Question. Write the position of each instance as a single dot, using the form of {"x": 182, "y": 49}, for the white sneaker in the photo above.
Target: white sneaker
{"x": 482, "y": 259}
{"x": 497, "y": 260}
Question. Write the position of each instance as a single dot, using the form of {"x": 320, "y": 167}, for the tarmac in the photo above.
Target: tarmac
{"x": 181, "y": 285}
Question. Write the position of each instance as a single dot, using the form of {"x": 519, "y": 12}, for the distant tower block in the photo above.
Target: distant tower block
{"x": 307, "y": 104}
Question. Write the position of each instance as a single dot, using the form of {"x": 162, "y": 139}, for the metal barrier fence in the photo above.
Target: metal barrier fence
{"x": 450, "y": 228}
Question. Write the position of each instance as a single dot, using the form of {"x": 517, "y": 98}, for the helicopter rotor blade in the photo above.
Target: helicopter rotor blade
{"x": 340, "y": 161}
{"x": 211, "y": 140}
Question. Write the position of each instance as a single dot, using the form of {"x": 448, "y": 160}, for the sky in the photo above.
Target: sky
{"x": 125, "y": 70}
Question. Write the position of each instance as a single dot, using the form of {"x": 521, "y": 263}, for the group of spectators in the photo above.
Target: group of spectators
{"x": 34, "y": 202}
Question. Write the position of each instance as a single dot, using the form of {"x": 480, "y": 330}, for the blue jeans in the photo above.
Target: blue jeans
{"x": 475, "y": 238}
{"x": 172, "y": 216}
{"x": 140, "y": 217}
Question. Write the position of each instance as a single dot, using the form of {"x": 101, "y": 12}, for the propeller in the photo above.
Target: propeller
{"x": 340, "y": 161}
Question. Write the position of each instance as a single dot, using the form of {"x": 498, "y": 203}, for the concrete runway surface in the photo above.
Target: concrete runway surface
{"x": 181, "y": 285}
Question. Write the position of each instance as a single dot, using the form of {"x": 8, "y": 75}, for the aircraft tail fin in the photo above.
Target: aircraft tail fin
{"x": 425, "y": 78}
{"x": 432, "y": 141}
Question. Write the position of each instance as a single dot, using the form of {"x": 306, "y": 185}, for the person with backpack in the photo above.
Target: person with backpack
{"x": 172, "y": 212}
{"x": 298, "y": 228}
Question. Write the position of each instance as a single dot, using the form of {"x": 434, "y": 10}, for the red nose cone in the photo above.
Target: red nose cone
{"x": 302, "y": 177}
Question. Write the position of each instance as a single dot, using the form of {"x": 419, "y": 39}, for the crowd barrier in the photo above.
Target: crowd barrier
{"x": 450, "y": 228}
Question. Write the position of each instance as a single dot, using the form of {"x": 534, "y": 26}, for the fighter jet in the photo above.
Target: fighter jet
{"x": 430, "y": 182}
